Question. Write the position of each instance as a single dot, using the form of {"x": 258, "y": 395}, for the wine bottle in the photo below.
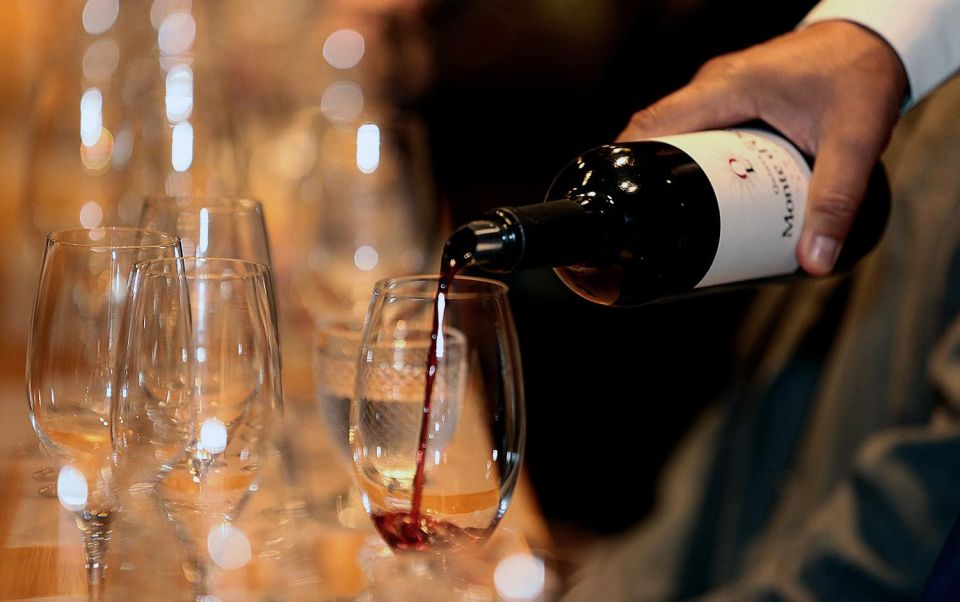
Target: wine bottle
{"x": 633, "y": 222}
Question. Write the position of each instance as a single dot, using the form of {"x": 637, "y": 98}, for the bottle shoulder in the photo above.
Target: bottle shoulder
{"x": 614, "y": 171}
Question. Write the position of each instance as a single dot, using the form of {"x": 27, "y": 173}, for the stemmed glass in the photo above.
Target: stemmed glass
{"x": 235, "y": 390}
{"x": 473, "y": 432}
{"x": 71, "y": 361}
{"x": 230, "y": 227}
{"x": 369, "y": 209}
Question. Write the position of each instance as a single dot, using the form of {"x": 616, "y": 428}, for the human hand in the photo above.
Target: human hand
{"x": 834, "y": 89}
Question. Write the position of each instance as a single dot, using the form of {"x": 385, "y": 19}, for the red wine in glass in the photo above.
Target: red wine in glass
{"x": 409, "y": 530}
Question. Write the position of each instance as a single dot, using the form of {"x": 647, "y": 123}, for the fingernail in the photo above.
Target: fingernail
{"x": 822, "y": 253}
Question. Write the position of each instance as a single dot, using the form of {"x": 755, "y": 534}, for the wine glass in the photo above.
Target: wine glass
{"x": 325, "y": 461}
{"x": 71, "y": 361}
{"x": 369, "y": 209}
{"x": 335, "y": 371}
{"x": 235, "y": 390}
{"x": 437, "y": 477}
{"x": 231, "y": 227}
{"x": 227, "y": 227}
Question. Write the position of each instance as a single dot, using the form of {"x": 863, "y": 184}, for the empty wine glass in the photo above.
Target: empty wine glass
{"x": 235, "y": 388}
{"x": 231, "y": 227}
{"x": 325, "y": 461}
{"x": 71, "y": 360}
{"x": 227, "y": 227}
{"x": 438, "y": 477}
{"x": 369, "y": 209}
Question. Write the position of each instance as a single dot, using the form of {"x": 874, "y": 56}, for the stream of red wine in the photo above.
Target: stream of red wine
{"x": 409, "y": 530}
{"x": 449, "y": 266}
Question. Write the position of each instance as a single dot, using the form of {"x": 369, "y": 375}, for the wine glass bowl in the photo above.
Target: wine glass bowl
{"x": 439, "y": 477}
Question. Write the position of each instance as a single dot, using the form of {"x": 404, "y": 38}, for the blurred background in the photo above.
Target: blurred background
{"x": 368, "y": 129}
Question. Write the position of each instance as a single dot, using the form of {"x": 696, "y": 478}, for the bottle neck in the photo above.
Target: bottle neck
{"x": 551, "y": 234}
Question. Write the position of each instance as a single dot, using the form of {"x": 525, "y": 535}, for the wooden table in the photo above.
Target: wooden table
{"x": 41, "y": 555}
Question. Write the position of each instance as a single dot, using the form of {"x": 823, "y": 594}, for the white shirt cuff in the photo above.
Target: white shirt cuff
{"x": 924, "y": 33}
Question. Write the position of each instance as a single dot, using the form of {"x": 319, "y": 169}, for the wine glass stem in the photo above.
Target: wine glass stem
{"x": 95, "y": 539}
{"x": 200, "y": 578}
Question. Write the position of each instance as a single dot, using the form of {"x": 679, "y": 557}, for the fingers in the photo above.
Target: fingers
{"x": 701, "y": 105}
{"x": 840, "y": 176}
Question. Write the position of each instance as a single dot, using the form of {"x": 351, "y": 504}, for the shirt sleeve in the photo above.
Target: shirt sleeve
{"x": 924, "y": 33}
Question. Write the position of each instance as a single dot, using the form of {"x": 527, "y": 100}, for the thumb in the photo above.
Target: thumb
{"x": 839, "y": 181}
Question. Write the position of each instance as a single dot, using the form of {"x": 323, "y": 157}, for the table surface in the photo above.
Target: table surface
{"x": 331, "y": 554}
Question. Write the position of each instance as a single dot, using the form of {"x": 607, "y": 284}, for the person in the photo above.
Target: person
{"x": 831, "y": 471}
{"x": 835, "y": 87}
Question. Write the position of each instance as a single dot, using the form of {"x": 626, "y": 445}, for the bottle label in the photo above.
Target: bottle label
{"x": 761, "y": 183}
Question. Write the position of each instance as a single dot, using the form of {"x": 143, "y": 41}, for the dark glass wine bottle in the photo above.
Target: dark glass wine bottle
{"x": 630, "y": 223}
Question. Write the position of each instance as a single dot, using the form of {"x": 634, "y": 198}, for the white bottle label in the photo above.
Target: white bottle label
{"x": 761, "y": 183}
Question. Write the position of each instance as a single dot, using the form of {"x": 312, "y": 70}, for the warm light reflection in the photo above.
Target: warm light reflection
{"x": 178, "y": 183}
{"x": 181, "y": 146}
{"x": 342, "y": 101}
{"x": 368, "y": 148}
{"x": 161, "y": 9}
{"x": 99, "y": 15}
{"x": 366, "y": 258}
{"x": 122, "y": 148}
{"x": 213, "y": 436}
{"x": 72, "y": 489}
{"x": 203, "y": 243}
{"x": 91, "y": 116}
{"x": 295, "y": 153}
{"x": 519, "y": 577}
{"x": 91, "y": 214}
{"x": 228, "y": 546}
{"x": 100, "y": 60}
{"x": 343, "y": 49}
{"x": 411, "y": 261}
{"x": 98, "y": 156}
{"x": 179, "y": 97}
{"x": 176, "y": 33}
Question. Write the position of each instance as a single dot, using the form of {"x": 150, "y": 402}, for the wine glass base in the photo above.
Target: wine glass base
{"x": 425, "y": 577}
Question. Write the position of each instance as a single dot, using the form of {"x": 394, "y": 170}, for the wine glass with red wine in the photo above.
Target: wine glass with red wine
{"x": 437, "y": 422}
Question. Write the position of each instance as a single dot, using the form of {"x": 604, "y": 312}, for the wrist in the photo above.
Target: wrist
{"x": 870, "y": 49}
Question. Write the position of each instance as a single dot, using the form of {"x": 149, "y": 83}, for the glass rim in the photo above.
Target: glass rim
{"x": 256, "y": 268}
{"x": 207, "y": 202}
{"x": 489, "y": 288}
{"x": 164, "y": 240}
